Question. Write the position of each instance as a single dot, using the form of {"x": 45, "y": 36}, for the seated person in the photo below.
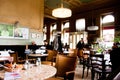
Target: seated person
{"x": 115, "y": 58}
{"x": 66, "y": 47}
{"x": 46, "y": 44}
{"x": 114, "y": 46}
{"x": 33, "y": 47}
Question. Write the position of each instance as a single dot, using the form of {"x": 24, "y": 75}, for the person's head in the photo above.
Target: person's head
{"x": 51, "y": 43}
{"x": 65, "y": 43}
{"x": 81, "y": 40}
{"x": 114, "y": 44}
{"x": 16, "y": 24}
{"x": 33, "y": 43}
{"x": 45, "y": 42}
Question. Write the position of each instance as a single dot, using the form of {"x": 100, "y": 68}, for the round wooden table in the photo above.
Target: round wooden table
{"x": 37, "y": 55}
{"x": 40, "y": 72}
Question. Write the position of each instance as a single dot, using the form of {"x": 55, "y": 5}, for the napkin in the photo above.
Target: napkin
{"x": 11, "y": 75}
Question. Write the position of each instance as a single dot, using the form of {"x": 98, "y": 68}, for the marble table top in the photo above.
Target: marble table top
{"x": 40, "y": 72}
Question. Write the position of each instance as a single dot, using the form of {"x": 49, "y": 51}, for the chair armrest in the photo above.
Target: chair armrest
{"x": 69, "y": 75}
{"x": 1, "y": 78}
{"x": 54, "y": 58}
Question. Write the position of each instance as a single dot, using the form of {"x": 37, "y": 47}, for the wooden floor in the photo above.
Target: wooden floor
{"x": 78, "y": 73}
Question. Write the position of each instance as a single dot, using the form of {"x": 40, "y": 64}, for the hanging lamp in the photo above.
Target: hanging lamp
{"x": 93, "y": 27}
{"x": 61, "y": 12}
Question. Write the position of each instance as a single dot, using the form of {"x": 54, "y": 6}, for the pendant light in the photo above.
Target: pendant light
{"x": 93, "y": 27}
{"x": 61, "y": 12}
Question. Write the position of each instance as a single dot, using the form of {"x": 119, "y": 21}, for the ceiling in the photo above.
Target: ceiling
{"x": 76, "y": 6}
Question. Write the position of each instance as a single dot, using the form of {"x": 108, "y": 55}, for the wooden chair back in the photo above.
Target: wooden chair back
{"x": 73, "y": 52}
{"x": 99, "y": 66}
{"x": 51, "y": 55}
{"x": 80, "y": 53}
{"x": 64, "y": 64}
{"x": 15, "y": 57}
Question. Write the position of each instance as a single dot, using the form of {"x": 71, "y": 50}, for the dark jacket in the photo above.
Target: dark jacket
{"x": 80, "y": 45}
{"x": 115, "y": 58}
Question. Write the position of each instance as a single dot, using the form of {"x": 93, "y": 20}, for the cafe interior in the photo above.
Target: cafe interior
{"x": 41, "y": 40}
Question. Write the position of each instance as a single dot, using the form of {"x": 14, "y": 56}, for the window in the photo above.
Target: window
{"x": 53, "y": 28}
{"x": 44, "y": 32}
{"x": 108, "y": 19}
{"x": 108, "y": 30}
{"x": 80, "y": 24}
{"x": 65, "y": 33}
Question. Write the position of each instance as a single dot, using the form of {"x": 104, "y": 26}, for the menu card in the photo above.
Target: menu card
{"x": 11, "y": 75}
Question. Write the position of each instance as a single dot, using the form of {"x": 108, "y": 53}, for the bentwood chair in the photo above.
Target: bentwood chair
{"x": 80, "y": 56}
{"x": 86, "y": 63}
{"x": 21, "y": 60}
{"x": 50, "y": 59}
{"x": 115, "y": 75}
{"x": 65, "y": 66}
{"x": 99, "y": 67}
{"x": 16, "y": 58}
{"x": 14, "y": 55}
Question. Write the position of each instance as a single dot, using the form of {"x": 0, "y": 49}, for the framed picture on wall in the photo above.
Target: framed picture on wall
{"x": 6, "y": 31}
{"x": 33, "y": 35}
{"x": 38, "y": 35}
{"x": 21, "y": 33}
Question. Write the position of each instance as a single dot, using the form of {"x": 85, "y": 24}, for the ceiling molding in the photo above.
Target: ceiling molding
{"x": 78, "y": 6}
{"x": 49, "y": 16}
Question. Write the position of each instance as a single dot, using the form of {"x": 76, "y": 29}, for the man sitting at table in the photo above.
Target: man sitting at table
{"x": 33, "y": 47}
{"x": 47, "y": 46}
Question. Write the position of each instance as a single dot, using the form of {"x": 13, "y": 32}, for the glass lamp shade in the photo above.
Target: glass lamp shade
{"x": 92, "y": 28}
{"x": 61, "y": 12}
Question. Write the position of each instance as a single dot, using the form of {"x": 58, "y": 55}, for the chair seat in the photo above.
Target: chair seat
{"x": 100, "y": 71}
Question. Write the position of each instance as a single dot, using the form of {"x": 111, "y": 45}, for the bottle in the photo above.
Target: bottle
{"x": 28, "y": 64}
{"x": 39, "y": 61}
{"x": 25, "y": 66}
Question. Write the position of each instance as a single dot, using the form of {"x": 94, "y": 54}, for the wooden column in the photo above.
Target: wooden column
{"x": 59, "y": 25}
{"x": 117, "y": 21}
{"x": 72, "y": 27}
{"x": 48, "y": 31}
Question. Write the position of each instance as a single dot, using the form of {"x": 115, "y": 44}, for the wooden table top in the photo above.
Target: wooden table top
{"x": 37, "y": 55}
